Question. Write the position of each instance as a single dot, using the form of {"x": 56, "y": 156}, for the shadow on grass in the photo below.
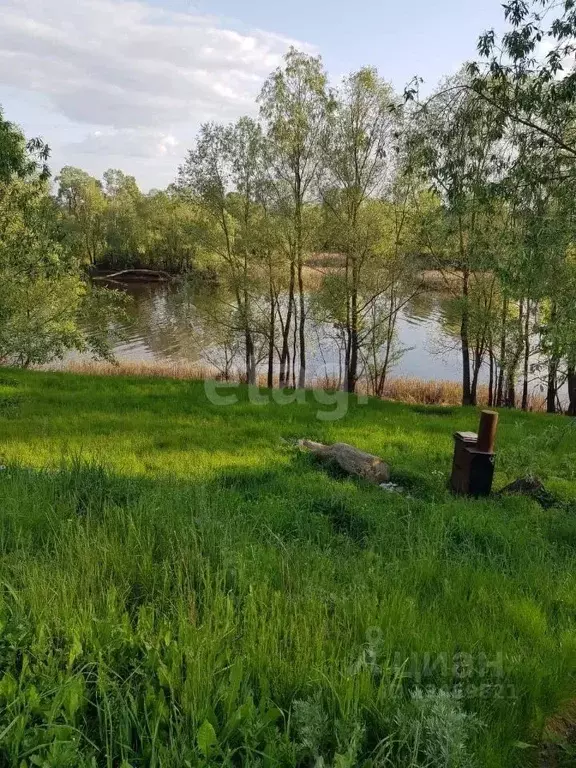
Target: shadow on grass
{"x": 345, "y": 521}
{"x": 9, "y": 405}
{"x": 419, "y": 486}
{"x": 250, "y": 484}
{"x": 90, "y": 487}
{"x": 434, "y": 410}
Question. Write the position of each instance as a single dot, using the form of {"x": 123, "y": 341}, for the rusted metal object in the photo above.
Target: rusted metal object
{"x": 487, "y": 431}
{"x": 473, "y": 464}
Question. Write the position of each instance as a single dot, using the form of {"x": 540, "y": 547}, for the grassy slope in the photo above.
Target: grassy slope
{"x": 190, "y": 577}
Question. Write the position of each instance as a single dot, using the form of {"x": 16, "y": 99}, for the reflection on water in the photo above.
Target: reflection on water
{"x": 167, "y": 322}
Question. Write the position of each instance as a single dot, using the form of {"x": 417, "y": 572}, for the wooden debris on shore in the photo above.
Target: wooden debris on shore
{"x": 133, "y": 275}
{"x": 350, "y": 460}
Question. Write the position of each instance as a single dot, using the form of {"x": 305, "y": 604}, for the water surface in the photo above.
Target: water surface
{"x": 170, "y": 322}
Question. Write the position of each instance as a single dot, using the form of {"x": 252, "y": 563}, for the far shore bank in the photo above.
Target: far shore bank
{"x": 314, "y": 271}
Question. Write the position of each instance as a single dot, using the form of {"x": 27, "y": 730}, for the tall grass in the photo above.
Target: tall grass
{"x": 180, "y": 586}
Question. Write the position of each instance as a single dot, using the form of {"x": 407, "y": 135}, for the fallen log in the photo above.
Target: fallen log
{"x": 156, "y": 275}
{"x": 351, "y": 460}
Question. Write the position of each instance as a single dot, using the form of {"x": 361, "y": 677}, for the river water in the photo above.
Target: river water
{"x": 167, "y": 322}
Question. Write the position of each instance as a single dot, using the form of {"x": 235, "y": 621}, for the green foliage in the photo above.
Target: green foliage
{"x": 124, "y": 218}
{"x": 111, "y": 223}
{"x": 532, "y": 91}
{"x": 295, "y": 104}
{"x": 476, "y": 182}
{"x": 85, "y": 204}
{"x": 19, "y": 157}
{"x": 43, "y": 296}
{"x": 172, "y": 237}
{"x": 226, "y": 172}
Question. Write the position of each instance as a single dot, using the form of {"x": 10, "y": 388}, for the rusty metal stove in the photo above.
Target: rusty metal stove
{"x": 473, "y": 464}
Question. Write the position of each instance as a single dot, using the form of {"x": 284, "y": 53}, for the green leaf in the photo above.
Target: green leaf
{"x": 271, "y": 715}
{"x": 206, "y": 739}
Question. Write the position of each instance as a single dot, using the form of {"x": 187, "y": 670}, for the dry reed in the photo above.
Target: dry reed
{"x": 401, "y": 389}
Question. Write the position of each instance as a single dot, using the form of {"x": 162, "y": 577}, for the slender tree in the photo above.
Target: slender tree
{"x": 226, "y": 170}
{"x": 456, "y": 141}
{"x": 359, "y": 166}
{"x": 295, "y": 105}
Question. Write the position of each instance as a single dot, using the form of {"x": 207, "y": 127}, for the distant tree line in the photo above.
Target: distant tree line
{"x": 111, "y": 223}
{"x": 477, "y": 181}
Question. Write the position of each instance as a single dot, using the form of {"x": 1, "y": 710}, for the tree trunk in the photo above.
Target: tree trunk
{"x": 302, "y": 330}
{"x": 248, "y": 338}
{"x": 285, "y": 354}
{"x": 351, "y": 460}
{"x": 491, "y": 379}
{"x": 302, "y": 299}
{"x": 526, "y": 356}
{"x": 250, "y": 358}
{"x": 553, "y": 364}
{"x": 510, "y": 389}
{"x": 571, "y": 390}
{"x": 502, "y": 363}
{"x": 381, "y": 379}
{"x": 552, "y": 386}
{"x": 474, "y": 384}
{"x": 271, "y": 333}
{"x": 352, "y": 374}
{"x": 294, "y": 348}
{"x": 465, "y": 344}
{"x": 479, "y": 350}
{"x": 515, "y": 360}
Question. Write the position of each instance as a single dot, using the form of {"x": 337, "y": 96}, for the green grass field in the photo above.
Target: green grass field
{"x": 180, "y": 586}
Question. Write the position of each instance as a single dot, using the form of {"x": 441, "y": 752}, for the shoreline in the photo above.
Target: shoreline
{"x": 314, "y": 271}
{"x": 403, "y": 389}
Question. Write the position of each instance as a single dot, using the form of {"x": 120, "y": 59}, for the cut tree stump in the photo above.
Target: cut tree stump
{"x": 351, "y": 460}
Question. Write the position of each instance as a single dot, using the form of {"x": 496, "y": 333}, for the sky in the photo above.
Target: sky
{"x": 126, "y": 83}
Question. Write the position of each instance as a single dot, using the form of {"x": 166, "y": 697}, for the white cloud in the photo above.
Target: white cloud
{"x": 133, "y": 70}
{"x": 127, "y": 143}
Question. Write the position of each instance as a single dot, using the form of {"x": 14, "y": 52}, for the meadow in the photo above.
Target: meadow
{"x": 181, "y": 586}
